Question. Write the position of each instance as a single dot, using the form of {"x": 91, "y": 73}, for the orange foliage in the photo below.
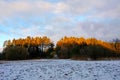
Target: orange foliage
{"x": 28, "y": 41}
{"x": 90, "y": 41}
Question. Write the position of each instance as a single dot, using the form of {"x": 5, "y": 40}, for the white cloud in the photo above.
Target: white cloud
{"x": 94, "y": 8}
{"x": 60, "y": 7}
{"x": 25, "y": 7}
{"x": 59, "y": 18}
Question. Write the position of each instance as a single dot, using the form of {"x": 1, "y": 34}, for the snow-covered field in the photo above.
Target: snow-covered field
{"x": 59, "y": 70}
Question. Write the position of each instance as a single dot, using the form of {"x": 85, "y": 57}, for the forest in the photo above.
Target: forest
{"x": 78, "y": 48}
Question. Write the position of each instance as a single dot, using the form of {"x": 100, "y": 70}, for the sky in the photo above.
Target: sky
{"x": 58, "y": 18}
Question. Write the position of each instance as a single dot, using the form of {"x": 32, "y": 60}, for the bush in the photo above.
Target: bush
{"x": 33, "y": 52}
{"x": 81, "y": 52}
{"x": 50, "y": 53}
{"x": 15, "y": 53}
{"x": 96, "y": 51}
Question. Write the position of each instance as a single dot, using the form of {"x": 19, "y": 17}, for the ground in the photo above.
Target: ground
{"x": 46, "y": 69}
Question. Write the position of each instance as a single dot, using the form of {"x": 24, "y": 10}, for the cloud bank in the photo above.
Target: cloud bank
{"x": 57, "y": 18}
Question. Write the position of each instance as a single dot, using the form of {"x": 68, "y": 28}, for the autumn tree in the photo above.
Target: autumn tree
{"x": 69, "y": 47}
{"x": 36, "y": 46}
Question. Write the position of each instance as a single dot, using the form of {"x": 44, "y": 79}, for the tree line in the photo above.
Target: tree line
{"x": 33, "y": 47}
{"x": 67, "y": 47}
{"x": 81, "y": 48}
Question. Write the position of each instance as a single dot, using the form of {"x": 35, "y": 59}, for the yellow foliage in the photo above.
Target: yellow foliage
{"x": 90, "y": 41}
{"x": 28, "y": 41}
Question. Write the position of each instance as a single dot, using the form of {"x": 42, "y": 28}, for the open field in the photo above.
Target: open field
{"x": 46, "y": 69}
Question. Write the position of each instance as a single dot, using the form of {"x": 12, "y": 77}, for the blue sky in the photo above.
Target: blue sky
{"x": 57, "y": 18}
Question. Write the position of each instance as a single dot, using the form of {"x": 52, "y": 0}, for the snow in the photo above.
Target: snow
{"x": 51, "y": 69}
